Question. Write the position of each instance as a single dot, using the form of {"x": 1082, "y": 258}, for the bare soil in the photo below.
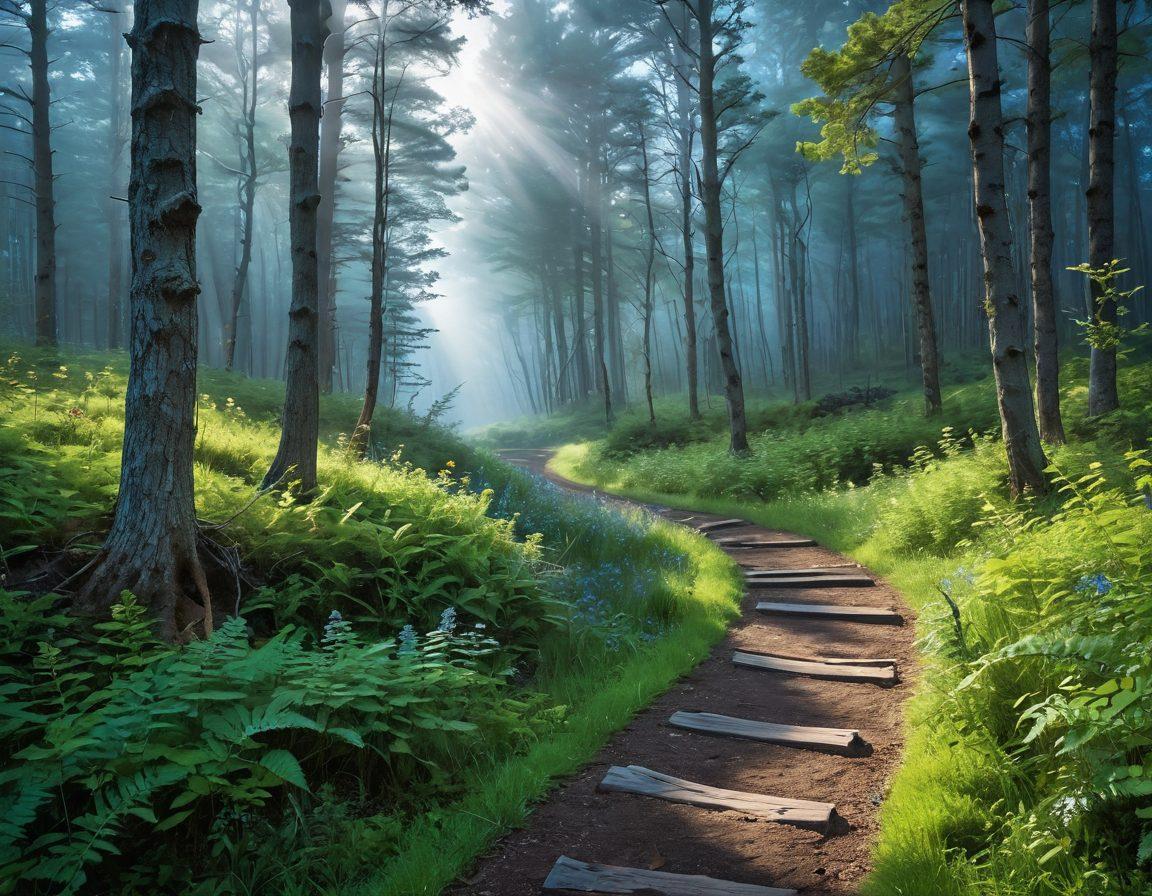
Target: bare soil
{"x": 623, "y": 829}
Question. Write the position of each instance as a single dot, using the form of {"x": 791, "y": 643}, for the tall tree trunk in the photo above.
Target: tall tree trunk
{"x": 852, "y": 324}
{"x": 113, "y": 217}
{"x": 382, "y": 162}
{"x": 685, "y": 137}
{"x": 580, "y": 325}
{"x": 330, "y": 125}
{"x": 300, "y": 431}
{"x": 1039, "y": 120}
{"x": 46, "y": 328}
{"x": 250, "y": 71}
{"x": 563, "y": 378}
{"x": 905, "y": 115}
{"x": 1102, "y": 394}
{"x": 151, "y": 549}
{"x": 599, "y": 336}
{"x": 1007, "y": 324}
{"x": 649, "y": 263}
{"x": 714, "y": 230}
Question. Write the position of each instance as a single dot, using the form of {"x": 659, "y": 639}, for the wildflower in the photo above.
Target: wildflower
{"x": 1098, "y": 583}
{"x": 450, "y": 464}
{"x": 337, "y": 631}
{"x": 407, "y": 640}
{"x": 448, "y": 620}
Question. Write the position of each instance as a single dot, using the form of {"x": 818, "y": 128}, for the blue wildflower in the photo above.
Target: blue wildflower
{"x": 448, "y": 620}
{"x": 407, "y": 640}
{"x": 1098, "y": 583}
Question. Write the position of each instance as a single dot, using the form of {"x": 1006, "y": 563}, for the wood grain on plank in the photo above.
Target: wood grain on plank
{"x": 837, "y": 739}
{"x": 882, "y": 615}
{"x": 836, "y": 671}
{"x": 645, "y": 782}
{"x": 589, "y": 877}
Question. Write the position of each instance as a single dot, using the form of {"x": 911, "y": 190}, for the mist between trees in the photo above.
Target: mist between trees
{"x": 639, "y": 198}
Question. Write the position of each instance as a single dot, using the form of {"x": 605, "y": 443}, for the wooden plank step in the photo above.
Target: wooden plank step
{"x": 881, "y": 615}
{"x": 588, "y": 877}
{"x": 831, "y": 739}
{"x": 717, "y": 525}
{"x": 645, "y": 782}
{"x": 734, "y": 542}
{"x": 813, "y": 582}
{"x": 839, "y": 671}
{"x": 763, "y": 573}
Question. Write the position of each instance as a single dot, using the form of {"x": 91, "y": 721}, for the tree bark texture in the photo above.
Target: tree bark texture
{"x": 330, "y": 127}
{"x": 1102, "y": 393}
{"x": 113, "y": 211}
{"x": 45, "y": 294}
{"x": 1007, "y": 324}
{"x": 910, "y": 166}
{"x": 1041, "y": 234}
{"x": 714, "y": 231}
{"x": 151, "y": 549}
{"x": 295, "y": 459}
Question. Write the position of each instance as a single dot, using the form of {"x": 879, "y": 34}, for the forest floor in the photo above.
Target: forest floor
{"x": 639, "y": 832}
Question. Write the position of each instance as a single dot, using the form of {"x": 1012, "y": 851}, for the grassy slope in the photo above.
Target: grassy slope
{"x": 653, "y": 598}
{"x": 971, "y": 811}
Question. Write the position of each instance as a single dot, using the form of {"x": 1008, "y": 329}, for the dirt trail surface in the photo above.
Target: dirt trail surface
{"x": 623, "y": 829}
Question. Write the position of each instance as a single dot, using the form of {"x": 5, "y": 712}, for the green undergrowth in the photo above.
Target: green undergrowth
{"x": 418, "y": 652}
{"x": 1028, "y": 762}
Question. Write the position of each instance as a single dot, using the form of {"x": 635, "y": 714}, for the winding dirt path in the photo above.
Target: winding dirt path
{"x": 622, "y": 829}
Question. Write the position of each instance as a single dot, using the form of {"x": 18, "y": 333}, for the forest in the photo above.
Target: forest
{"x": 503, "y": 447}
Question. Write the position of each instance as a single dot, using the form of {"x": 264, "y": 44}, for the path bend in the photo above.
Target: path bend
{"x": 611, "y": 828}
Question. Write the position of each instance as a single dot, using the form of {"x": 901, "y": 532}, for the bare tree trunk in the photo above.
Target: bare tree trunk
{"x": 714, "y": 230}
{"x": 299, "y": 438}
{"x": 113, "y": 217}
{"x": 1039, "y": 119}
{"x": 151, "y": 549}
{"x": 563, "y": 387}
{"x": 46, "y": 327}
{"x": 852, "y": 324}
{"x": 580, "y": 334}
{"x": 686, "y": 131}
{"x": 595, "y": 243}
{"x": 1007, "y": 324}
{"x": 649, "y": 263}
{"x": 330, "y": 126}
{"x": 382, "y": 160}
{"x": 249, "y": 70}
{"x": 905, "y": 115}
{"x": 1102, "y": 393}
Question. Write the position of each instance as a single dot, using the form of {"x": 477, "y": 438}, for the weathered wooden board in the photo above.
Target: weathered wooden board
{"x": 841, "y": 671}
{"x": 761, "y": 573}
{"x": 833, "y": 739}
{"x": 589, "y": 877}
{"x": 841, "y": 581}
{"x": 717, "y": 525}
{"x": 645, "y": 782}
{"x": 734, "y": 542}
{"x": 882, "y": 615}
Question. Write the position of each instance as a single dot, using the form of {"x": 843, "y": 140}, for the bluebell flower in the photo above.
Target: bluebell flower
{"x": 448, "y": 620}
{"x": 407, "y": 640}
{"x": 1098, "y": 583}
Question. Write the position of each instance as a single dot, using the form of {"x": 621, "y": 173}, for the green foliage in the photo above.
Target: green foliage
{"x": 295, "y": 751}
{"x": 1108, "y": 335}
{"x": 856, "y": 80}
